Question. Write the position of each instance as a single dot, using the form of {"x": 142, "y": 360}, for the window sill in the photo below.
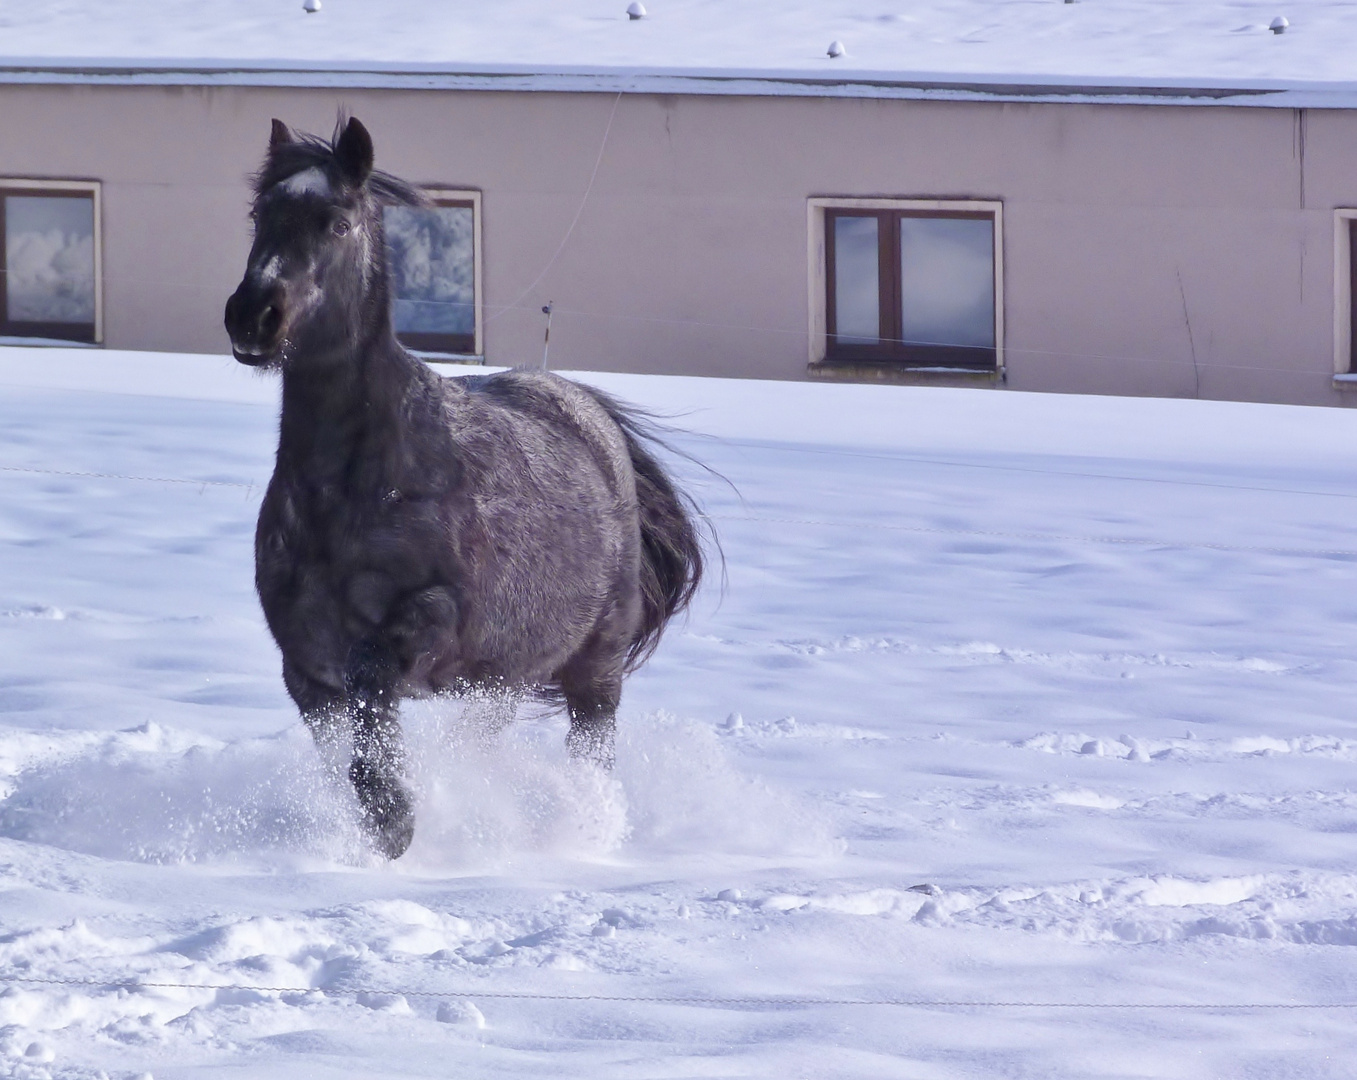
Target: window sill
{"x": 848, "y": 371}
{"x": 46, "y": 343}
{"x": 476, "y": 359}
{"x": 1345, "y": 382}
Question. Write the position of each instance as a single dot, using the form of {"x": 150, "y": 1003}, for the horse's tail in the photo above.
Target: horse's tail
{"x": 671, "y": 548}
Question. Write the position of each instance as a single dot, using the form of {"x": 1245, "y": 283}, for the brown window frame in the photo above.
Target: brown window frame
{"x": 891, "y": 349}
{"x": 1344, "y": 296}
{"x": 1352, "y": 293}
{"x": 90, "y": 333}
{"x": 455, "y": 344}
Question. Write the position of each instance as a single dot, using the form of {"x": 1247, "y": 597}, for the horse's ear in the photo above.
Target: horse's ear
{"x": 280, "y": 135}
{"x": 353, "y": 152}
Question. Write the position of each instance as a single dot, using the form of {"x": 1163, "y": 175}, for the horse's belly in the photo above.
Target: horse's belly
{"x": 525, "y": 629}
{"x": 490, "y": 596}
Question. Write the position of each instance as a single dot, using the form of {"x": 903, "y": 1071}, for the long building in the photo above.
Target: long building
{"x": 1118, "y": 236}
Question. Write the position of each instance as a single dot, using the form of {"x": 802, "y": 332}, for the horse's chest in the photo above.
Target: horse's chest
{"x": 348, "y": 565}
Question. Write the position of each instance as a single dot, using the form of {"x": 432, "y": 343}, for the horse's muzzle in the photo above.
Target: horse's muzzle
{"x": 255, "y": 323}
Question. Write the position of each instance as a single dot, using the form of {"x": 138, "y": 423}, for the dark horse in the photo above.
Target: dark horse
{"x": 509, "y": 533}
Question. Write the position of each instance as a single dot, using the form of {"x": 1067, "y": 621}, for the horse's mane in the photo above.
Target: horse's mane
{"x": 307, "y": 151}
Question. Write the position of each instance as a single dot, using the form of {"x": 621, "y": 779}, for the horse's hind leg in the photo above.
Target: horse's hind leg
{"x": 489, "y": 710}
{"x": 377, "y": 768}
{"x": 593, "y": 720}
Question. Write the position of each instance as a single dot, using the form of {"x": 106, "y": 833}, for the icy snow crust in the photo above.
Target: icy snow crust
{"x": 711, "y": 46}
{"x": 1011, "y": 698}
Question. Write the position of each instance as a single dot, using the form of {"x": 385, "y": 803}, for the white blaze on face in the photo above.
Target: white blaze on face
{"x": 267, "y": 273}
{"x": 311, "y": 181}
{"x": 307, "y": 182}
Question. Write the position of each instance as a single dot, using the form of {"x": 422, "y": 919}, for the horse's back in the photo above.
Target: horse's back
{"x": 566, "y": 406}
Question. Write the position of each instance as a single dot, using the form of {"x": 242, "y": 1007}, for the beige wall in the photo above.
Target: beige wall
{"x": 1135, "y": 237}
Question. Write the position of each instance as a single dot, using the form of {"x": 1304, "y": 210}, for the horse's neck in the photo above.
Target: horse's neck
{"x": 334, "y": 414}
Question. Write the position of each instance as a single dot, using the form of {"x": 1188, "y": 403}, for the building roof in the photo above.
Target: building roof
{"x": 1216, "y": 51}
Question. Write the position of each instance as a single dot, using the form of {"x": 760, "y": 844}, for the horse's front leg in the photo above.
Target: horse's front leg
{"x": 377, "y": 770}
{"x": 362, "y": 721}
{"x": 323, "y": 709}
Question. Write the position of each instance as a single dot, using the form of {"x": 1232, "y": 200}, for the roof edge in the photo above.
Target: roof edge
{"x": 698, "y": 81}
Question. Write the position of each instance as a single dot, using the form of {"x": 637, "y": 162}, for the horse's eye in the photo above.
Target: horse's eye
{"x": 342, "y": 227}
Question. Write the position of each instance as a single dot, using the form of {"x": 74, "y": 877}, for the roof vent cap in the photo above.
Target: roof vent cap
{"x": 636, "y": 10}
{"x": 1279, "y": 25}
{"x": 836, "y": 50}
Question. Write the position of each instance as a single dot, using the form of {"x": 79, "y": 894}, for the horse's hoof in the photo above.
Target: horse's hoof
{"x": 594, "y": 745}
{"x": 388, "y": 816}
{"x": 391, "y": 838}
{"x": 390, "y": 823}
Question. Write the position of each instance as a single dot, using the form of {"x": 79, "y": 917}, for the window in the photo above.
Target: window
{"x": 49, "y": 234}
{"x": 1344, "y": 294}
{"x": 906, "y": 282}
{"x": 433, "y": 254}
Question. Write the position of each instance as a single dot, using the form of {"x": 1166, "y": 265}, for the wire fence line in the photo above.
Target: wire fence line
{"x": 938, "y": 530}
{"x": 121, "y": 476}
{"x": 906, "y": 458}
{"x": 131, "y": 984}
{"x": 1131, "y": 541}
{"x": 827, "y": 450}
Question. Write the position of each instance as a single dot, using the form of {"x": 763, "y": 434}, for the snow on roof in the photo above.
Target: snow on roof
{"x": 1189, "y": 49}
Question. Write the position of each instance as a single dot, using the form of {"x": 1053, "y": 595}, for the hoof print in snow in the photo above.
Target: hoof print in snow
{"x": 386, "y": 1003}
{"x": 40, "y": 1053}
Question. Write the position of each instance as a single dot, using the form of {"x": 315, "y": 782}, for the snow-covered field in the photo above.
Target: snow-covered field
{"x": 1030, "y": 714}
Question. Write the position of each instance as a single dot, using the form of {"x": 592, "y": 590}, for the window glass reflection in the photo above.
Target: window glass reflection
{"x": 432, "y": 266}
{"x": 49, "y": 259}
{"x": 857, "y": 296}
{"x": 947, "y": 281}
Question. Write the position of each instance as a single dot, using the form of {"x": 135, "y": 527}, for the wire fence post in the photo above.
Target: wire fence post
{"x": 546, "y": 339}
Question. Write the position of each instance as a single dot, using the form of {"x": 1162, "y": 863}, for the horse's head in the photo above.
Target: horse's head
{"x": 315, "y": 285}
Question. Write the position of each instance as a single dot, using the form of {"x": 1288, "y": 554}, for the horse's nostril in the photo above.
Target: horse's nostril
{"x": 233, "y": 315}
{"x": 270, "y": 319}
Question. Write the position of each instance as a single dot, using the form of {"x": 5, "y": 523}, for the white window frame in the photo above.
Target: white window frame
{"x": 816, "y": 285}
{"x": 94, "y": 189}
{"x": 477, "y": 355}
{"x": 1342, "y": 292}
